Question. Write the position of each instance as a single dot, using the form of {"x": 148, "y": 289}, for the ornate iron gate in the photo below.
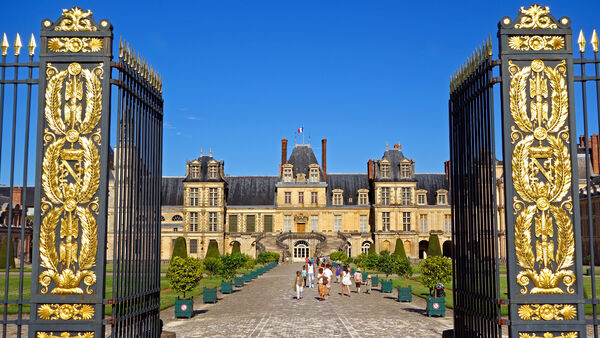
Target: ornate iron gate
{"x": 545, "y": 280}
{"x": 75, "y": 174}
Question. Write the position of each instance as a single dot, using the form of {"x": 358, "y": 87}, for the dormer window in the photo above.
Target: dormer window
{"x": 212, "y": 171}
{"x": 385, "y": 170}
{"x": 363, "y": 198}
{"x": 287, "y": 173}
{"x": 442, "y": 197}
{"x": 421, "y": 199}
{"x": 338, "y": 197}
{"x": 405, "y": 170}
{"x": 195, "y": 171}
{"x": 314, "y": 174}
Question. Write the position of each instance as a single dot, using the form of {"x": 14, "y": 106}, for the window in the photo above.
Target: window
{"x": 195, "y": 171}
{"x": 337, "y": 198}
{"x": 213, "y": 197}
{"x": 423, "y": 223}
{"x": 448, "y": 223}
{"x": 287, "y": 222}
{"x": 162, "y": 218}
{"x": 193, "y": 246}
{"x": 233, "y": 223}
{"x": 175, "y": 229}
{"x": 385, "y": 221}
{"x": 385, "y": 170}
{"x": 287, "y": 197}
{"x": 287, "y": 174}
{"x": 365, "y": 247}
{"x": 193, "y": 221}
{"x": 177, "y": 218}
{"x": 194, "y": 197}
{"x": 363, "y": 223}
{"x": 441, "y": 198}
{"x": 362, "y": 199}
{"x": 314, "y": 175}
{"x": 337, "y": 223}
{"x": 301, "y": 197}
{"x": 385, "y": 195}
{"x": 406, "y": 221}
{"x": 405, "y": 170}
{"x": 405, "y": 196}
{"x": 313, "y": 197}
{"x": 268, "y": 223}
{"x": 250, "y": 223}
{"x": 314, "y": 223}
{"x": 212, "y": 221}
{"x": 421, "y": 199}
{"x": 212, "y": 171}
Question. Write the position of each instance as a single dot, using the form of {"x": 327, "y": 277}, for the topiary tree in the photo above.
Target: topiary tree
{"x": 212, "y": 265}
{"x": 338, "y": 256}
{"x": 213, "y": 249}
{"x": 435, "y": 269}
{"x": 372, "y": 249}
{"x": 434, "y": 248}
{"x": 184, "y": 274}
{"x": 180, "y": 248}
{"x": 236, "y": 248}
{"x": 11, "y": 254}
{"x": 230, "y": 264}
{"x": 399, "y": 250}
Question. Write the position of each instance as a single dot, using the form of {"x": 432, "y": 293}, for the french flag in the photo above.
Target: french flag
{"x": 300, "y": 130}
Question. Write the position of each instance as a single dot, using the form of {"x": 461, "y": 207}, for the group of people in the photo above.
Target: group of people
{"x": 305, "y": 278}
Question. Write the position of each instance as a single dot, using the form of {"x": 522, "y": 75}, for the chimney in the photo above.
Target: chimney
{"x": 324, "y": 158}
{"x": 581, "y": 141}
{"x": 398, "y": 146}
{"x": 17, "y": 195}
{"x": 370, "y": 169}
{"x": 595, "y": 153}
{"x": 447, "y": 169}
{"x": 283, "y": 154}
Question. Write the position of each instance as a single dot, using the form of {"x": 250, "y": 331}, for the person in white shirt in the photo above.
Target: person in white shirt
{"x": 311, "y": 274}
{"x": 328, "y": 273}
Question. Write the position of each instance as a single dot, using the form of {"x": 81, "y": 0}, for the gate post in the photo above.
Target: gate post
{"x": 68, "y": 274}
{"x": 545, "y": 284}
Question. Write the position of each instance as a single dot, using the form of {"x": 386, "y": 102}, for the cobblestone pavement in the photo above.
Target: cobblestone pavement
{"x": 266, "y": 308}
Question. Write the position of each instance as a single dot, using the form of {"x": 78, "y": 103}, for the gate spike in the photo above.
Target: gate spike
{"x": 581, "y": 41}
{"x": 490, "y": 46}
{"x": 594, "y": 41}
{"x": 121, "y": 47}
{"x": 18, "y": 44}
{"x": 32, "y": 45}
{"x": 128, "y": 55}
{"x": 4, "y": 45}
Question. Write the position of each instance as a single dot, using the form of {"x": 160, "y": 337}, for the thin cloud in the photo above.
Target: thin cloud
{"x": 193, "y": 118}
{"x": 169, "y": 126}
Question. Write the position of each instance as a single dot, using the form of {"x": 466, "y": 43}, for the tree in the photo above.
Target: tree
{"x": 179, "y": 249}
{"x": 403, "y": 268}
{"x": 399, "y": 250}
{"x": 266, "y": 257}
{"x": 250, "y": 263}
{"x": 11, "y": 253}
{"x": 372, "y": 261}
{"x": 386, "y": 263}
{"x": 184, "y": 274}
{"x": 435, "y": 269}
{"x": 338, "y": 256}
{"x": 230, "y": 264}
{"x": 360, "y": 260}
{"x": 434, "y": 248}
{"x": 372, "y": 249}
{"x": 212, "y": 265}
{"x": 213, "y": 249}
{"x": 236, "y": 248}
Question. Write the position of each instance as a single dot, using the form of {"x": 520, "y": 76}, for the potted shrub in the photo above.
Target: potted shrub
{"x": 228, "y": 267}
{"x": 338, "y": 257}
{"x": 184, "y": 274}
{"x": 434, "y": 270}
{"x": 403, "y": 268}
{"x": 212, "y": 266}
{"x": 386, "y": 264}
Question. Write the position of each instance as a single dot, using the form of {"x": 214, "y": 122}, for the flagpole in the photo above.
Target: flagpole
{"x": 303, "y": 135}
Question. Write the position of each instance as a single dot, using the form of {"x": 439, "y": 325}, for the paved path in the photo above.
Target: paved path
{"x": 266, "y": 308}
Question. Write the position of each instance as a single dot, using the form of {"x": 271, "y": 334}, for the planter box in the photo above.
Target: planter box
{"x": 405, "y": 294}
{"x": 386, "y": 286}
{"x": 209, "y": 295}
{"x": 254, "y": 274}
{"x": 226, "y": 287}
{"x": 364, "y": 276}
{"x": 238, "y": 281}
{"x": 184, "y": 307}
{"x": 375, "y": 280}
{"x": 247, "y": 277}
{"x": 352, "y": 271}
{"x": 436, "y": 306}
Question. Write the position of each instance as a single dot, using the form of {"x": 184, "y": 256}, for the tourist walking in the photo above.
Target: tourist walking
{"x": 310, "y": 270}
{"x": 346, "y": 282}
{"x": 329, "y": 274}
{"x": 322, "y": 283}
{"x": 368, "y": 284}
{"x": 298, "y": 285}
{"x": 304, "y": 274}
{"x": 358, "y": 279}
{"x": 338, "y": 272}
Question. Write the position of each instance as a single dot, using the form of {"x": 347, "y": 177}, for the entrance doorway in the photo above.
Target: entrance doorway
{"x": 301, "y": 250}
{"x": 301, "y": 227}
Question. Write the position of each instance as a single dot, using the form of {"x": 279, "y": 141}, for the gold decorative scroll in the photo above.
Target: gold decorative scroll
{"x": 66, "y": 311}
{"x": 547, "y": 312}
{"x": 70, "y": 178}
{"x": 75, "y": 19}
{"x": 541, "y": 175}
{"x": 75, "y": 45}
{"x": 65, "y": 335}
{"x": 535, "y": 16}
{"x": 536, "y": 42}
{"x": 549, "y": 335}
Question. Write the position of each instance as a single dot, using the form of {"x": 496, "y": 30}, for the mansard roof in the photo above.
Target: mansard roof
{"x": 251, "y": 190}
{"x": 394, "y": 156}
{"x": 301, "y": 158}
{"x": 204, "y": 161}
{"x": 172, "y": 190}
{"x": 432, "y": 183}
{"x": 349, "y": 183}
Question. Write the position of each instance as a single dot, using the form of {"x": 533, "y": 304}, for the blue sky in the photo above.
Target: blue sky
{"x": 240, "y": 75}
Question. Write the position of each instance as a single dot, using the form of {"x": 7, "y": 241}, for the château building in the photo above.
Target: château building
{"x": 305, "y": 210}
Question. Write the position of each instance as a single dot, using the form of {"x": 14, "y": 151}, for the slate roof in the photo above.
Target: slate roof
{"x": 349, "y": 183}
{"x": 432, "y": 183}
{"x": 251, "y": 190}
{"x": 172, "y": 190}
{"x": 301, "y": 158}
{"x": 395, "y": 156}
{"x": 5, "y": 194}
{"x": 204, "y": 160}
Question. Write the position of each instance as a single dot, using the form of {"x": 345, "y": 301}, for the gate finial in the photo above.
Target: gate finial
{"x": 4, "y": 45}
{"x": 594, "y": 41}
{"x": 18, "y": 44}
{"x": 32, "y": 45}
{"x": 581, "y": 41}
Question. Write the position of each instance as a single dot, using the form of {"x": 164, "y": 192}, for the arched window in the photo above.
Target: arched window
{"x": 177, "y": 218}
{"x": 349, "y": 249}
{"x": 301, "y": 249}
{"x": 365, "y": 247}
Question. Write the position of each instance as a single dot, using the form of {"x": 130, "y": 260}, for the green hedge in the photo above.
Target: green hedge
{"x": 213, "y": 249}
{"x": 180, "y": 249}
